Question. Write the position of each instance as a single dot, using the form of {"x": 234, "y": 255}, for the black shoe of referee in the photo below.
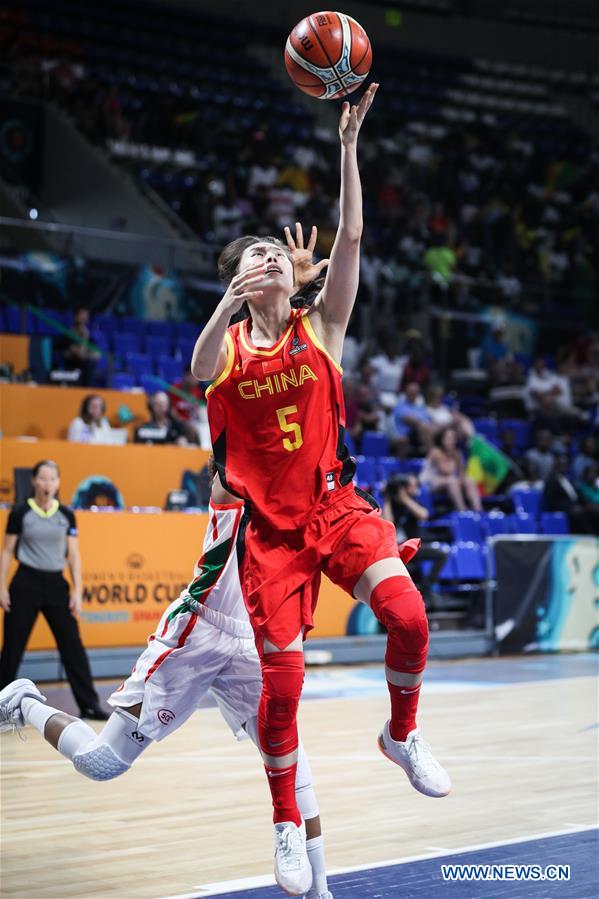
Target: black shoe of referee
{"x": 94, "y": 714}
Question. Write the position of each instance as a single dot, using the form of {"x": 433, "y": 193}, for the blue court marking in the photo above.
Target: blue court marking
{"x": 423, "y": 879}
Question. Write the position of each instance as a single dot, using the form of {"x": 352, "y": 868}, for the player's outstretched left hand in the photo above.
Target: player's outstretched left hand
{"x": 304, "y": 270}
{"x": 353, "y": 116}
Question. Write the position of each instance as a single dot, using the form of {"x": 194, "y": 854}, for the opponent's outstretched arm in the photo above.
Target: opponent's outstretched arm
{"x": 333, "y": 307}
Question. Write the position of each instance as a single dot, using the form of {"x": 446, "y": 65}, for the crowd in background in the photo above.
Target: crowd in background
{"x": 480, "y": 210}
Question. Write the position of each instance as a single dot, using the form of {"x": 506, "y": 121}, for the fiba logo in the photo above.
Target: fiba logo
{"x": 165, "y": 716}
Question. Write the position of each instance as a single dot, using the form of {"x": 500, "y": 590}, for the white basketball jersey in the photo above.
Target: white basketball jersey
{"x": 215, "y": 583}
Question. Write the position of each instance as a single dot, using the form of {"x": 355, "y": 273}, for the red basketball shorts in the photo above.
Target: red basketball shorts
{"x": 281, "y": 570}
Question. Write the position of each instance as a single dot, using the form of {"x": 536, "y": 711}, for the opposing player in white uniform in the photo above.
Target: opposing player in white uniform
{"x": 203, "y": 642}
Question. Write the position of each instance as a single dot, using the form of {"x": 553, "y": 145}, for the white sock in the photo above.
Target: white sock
{"x": 37, "y": 713}
{"x": 315, "y": 850}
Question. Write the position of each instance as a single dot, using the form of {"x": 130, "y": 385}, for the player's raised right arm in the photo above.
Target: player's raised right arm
{"x": 210, "y": 353}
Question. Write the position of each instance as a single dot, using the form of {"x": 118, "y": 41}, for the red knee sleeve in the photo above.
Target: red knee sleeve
{"x": 399, "y": 607}
{"x": 282, "y": 681}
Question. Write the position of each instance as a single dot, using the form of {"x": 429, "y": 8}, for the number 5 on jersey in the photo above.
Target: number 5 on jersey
{"x": 290, "y": 427}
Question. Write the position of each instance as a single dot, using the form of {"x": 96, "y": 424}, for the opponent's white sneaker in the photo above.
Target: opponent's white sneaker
{"x": 292, "y": 867}
{"x": 11, "y": 717}
{"x": 416, "y": 758}
{"x": 313, "y": 895}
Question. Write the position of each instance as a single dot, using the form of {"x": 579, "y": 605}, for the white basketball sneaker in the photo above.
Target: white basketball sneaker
{"x": 11, "y": 716}
{"x": 416, "y": 758}
{"x": 313, "y": 895}
{"x": 292, "y": 867}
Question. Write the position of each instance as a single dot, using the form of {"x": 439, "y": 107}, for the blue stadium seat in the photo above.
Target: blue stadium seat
{"x": 349, "y": 442}
{"x": 126, "y": 343}
{"x": 496, "y": 523}
{"x": 18, "y": 320}
{"x": 388, "y": 466}
{"x": 108, "y": 324}
{"x": 425, "y": 498}
{"x": 521, "y": 429}
{"x": 467, "y": 527}
{"x": 50, "y": 325}
{"x": 169, "y": 369}
{"x": 367, "y": 471}
{"x": 132, "y": 325}
{"x": 375, "y": 444}
{"x": 139, "y": 364}
{"x": 158, "y": 345}
{"x": 449, "y": 572}
{"x": 527, "y": 502}
{"x": 487, "y": 427}
{"x": 184, "y": 349}
{"x": 554, "y": 523}
{"x": 520, "y": 523}
{"x": 159, "y": 329}
{"x": 470, "y": 562}
{"x": 413, "y": 466}
{"x": 150, "y": 383}
{"x": 122, "y": 380}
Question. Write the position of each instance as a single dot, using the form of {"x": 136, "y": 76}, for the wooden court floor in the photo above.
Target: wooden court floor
{"x": 195, "y": 808}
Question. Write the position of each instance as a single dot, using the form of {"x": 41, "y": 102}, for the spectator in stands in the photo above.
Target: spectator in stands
{"x": 588, "y": 487}
{"x": 161, "y": 427}
{"x": 402, "y": 508}
{"x": 411, "y": 421}
{"x": 587, "y": 455}
{"x": 363, "y": 406}
{"x": 417, "y": 369}
{"x": 442, "y": 416}
{"x": 560, "y": 495}
{"x": 444, "y": 472}
{"x": 76, "y": 351}
{"x": 497, "y": 357}
{"x": 541, "y": 455}
{"x": 388, "y": 365}
{"x": 440, "y": 260}
{"x": 545, "y": 395}
{"x": 91, "y": 425}
{"x": 42, "y": 534}
{"x": 509, "y": 447}
{"x": 190, "y": 409}
{"x": 526, "y": 478}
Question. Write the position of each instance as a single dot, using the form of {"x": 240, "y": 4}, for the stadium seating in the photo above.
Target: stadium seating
{"x": 527, "y": 502}
{"x": 521, "y": 523}
{"x": 374, "y": 443}
{"x": 367, "y": 472}
{"x": 122, "y": 380}
{"x": 470, "y": 561}
{"x": 554, "y": 523}
{"x": 467, "y": 527}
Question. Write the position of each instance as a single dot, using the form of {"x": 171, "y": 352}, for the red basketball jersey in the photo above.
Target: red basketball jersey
{"x": 277, "y": 422}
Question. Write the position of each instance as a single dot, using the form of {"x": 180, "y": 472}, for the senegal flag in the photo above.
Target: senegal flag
{"x": 486, "y": 465}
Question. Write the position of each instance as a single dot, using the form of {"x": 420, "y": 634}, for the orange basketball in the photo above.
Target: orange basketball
{"x": 328, "y": 55}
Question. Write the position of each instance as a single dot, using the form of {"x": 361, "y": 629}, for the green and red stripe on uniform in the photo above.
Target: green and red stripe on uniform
{"x": 212, "y": 564}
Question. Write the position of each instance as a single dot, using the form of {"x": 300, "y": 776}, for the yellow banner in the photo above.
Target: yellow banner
{"x": 143, "y": 474}
{"x": 134, "y": 565}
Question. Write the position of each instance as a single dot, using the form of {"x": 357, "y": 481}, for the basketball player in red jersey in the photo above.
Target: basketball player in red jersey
{"x": 276, "y": 396}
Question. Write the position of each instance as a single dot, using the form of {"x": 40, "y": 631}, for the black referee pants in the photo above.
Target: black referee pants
{"x": 31, "y": 592}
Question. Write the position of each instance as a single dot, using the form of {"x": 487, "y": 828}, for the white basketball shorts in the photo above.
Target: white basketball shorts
{"x": 190, "y": 653}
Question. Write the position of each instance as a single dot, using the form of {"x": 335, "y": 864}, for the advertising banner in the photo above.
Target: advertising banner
{"x": 547, "y": 595}
{"x": 135, "y": 564}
